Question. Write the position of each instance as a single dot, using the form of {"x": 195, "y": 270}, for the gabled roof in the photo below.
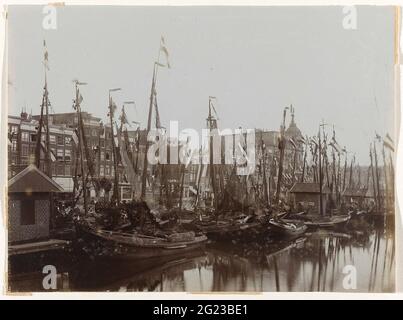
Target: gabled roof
{"x": 308, "y": 187}
{"x": 32, "y": 180}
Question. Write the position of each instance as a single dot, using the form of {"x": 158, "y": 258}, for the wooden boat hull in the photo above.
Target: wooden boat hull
{"x": 286, "y": 227}
{"x": 328, "y": 222}
{"x": 118, "y": 246}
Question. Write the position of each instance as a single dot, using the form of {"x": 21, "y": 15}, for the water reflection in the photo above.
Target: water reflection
{"x": 314, "y": 262}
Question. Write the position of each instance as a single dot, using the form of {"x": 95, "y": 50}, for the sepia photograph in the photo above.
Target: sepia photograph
{"x": 201, "y": 149}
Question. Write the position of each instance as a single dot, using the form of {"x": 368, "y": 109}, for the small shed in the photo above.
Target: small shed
{"x": 29, "y": 198}
{"x": 307, "y": 196}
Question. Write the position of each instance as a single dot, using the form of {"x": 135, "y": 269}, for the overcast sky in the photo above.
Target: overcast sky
{"x": 255, "y": 61}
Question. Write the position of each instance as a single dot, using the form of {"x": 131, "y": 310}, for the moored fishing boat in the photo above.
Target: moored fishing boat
{"x": 135, "y": 245}
{"x": 287, "y": 227}
{"x": 327, "y": 221}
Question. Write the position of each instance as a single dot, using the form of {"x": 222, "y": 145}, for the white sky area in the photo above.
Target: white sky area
{"x": 256, "y": 61}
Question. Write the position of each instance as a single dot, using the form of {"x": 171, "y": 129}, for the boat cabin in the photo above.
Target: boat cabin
{"x": 29, "y": 210}
{"x": 306, "y": 197}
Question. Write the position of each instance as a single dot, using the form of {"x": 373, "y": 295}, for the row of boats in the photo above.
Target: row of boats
{"x": 127, "y": 241}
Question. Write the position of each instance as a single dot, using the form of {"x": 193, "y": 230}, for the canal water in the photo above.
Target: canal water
{"x": 359, "y": 258}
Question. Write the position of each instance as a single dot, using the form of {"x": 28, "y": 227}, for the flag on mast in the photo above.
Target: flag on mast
{"x": 123, "y": 117}
{"x": 164, "y": 49}
{"x": 389, "y": 138}
{"x": 45, "y": 55}
{"x": 388, "y": 142}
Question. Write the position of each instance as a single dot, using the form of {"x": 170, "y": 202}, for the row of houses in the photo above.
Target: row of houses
{"x": 66, "y": 164}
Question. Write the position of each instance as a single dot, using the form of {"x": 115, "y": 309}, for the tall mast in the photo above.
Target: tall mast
{"x": 112, "y": 107}
{"x": 80, "y": 132}
{"x": 281, "y": 146}
{"x": 44, "y": 122}
{"x": 373, "y": 178}
{"x": 47, "y": 153}
{"x": 377, "y": 176}
{"x": 320, "y": 174}
{"x": 150, "y": 112}
{"x": 304, "y": 162}
{"x": 334, "y": 174}
{"x": 266, "y": 195}
{"x": 345, "y": 171}
{"x": 338, "y": 179}
{"x": 350, "y": 180}
{"x": 212, "y": 173}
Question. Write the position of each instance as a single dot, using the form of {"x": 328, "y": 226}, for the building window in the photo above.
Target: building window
{"x": 102, "y": 156}
{"x": 107, "y": 170}
{"x": 60, "y": 154}
{"x": 102, "y": 143}
{"x": 33, "y": 137}
{"x": 107, "y": 156}
{"x": 67, "y": 155}
{"x": 14, "y": 145}
{"x": 126, "y": 193}
{"x": 94, "y": 133}
{"x": 60, "y": 140}
{"x": 27, "y": 212}
{"x": 25, "y": 136}
{"x": 101, "y": 170}
{"x": 52, "y": 139}
{"x": 13, "y": 129}
{"x": 67, "y": 141}
{"x": 25, "y": 150}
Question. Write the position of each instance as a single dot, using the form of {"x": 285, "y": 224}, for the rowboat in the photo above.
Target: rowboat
{"x": 327, "y": 221}
{"x": 287, "y": 227}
